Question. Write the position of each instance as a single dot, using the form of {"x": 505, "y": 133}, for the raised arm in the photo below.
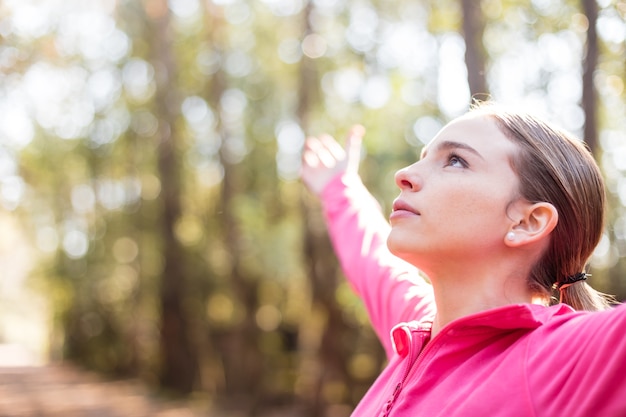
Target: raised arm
{"x": 391, "y": 289}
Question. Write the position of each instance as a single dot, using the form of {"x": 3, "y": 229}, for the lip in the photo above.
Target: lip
{"x": 401, "y": 209}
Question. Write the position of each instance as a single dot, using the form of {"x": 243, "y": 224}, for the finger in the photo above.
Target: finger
{"x": 311, "y": 142}
{"x": 320, "y": 150}
{"x": 310, "y": 159}
{"x": 310, "y": 151}
{"x": 335, "y": 149}
{"x": 353, "y": 147}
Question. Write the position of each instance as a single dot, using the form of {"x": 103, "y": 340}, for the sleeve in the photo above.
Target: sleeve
{"x": 579, "y": 366}
{"x": 392, "y": 290}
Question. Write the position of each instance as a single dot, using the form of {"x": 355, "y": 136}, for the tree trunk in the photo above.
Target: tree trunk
{"x": 590, "y": 62}
{"x": 242, "y": 360}
{"x": 322, "y": 267}
{"x": 179, "y": 363}
{"x": 473, "y": 29}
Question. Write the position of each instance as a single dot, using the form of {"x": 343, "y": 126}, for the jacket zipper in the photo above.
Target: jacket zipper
{"x": 411, "y": 360}
{"x": 410, "y": 369}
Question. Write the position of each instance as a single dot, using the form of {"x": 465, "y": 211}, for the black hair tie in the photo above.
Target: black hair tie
{"x": 572, "y": 279}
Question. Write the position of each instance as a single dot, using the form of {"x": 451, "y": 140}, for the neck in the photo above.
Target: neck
{"x": 461, "y": 293}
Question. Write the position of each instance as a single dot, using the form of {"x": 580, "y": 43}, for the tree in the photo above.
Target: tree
{"x": 473, "y": 29}
{"x": 179, "y": 364}
{"x": 590, "y": 63}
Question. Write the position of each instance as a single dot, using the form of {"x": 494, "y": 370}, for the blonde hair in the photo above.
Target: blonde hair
{"x": 555, "y": 167}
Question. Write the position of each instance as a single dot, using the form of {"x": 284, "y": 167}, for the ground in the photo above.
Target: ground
{"x": 64, "y": 390}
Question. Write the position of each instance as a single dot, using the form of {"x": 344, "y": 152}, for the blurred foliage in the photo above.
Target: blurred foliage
{"x": 96, "y": 94}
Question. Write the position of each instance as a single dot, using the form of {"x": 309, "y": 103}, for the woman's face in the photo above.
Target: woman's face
{"x": 454, "y": 201}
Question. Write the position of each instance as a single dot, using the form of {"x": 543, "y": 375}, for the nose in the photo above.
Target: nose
{"x": 408, "y": 179}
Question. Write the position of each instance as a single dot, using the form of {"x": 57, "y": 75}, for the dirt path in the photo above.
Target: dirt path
{"x": 65, "y": 391}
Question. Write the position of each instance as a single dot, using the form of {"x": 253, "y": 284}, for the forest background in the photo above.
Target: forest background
{"x": 153, "y": 224}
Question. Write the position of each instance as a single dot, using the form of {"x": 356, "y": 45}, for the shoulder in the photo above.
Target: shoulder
{"x": 563, "y": 320}
{"x": 563, "y": 323}
{"x": 576, "y": 340}
{"x": 572, "y": 351}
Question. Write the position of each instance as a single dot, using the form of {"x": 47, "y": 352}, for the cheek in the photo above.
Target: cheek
{"x": 462, "y": 199}
{"x": 473, "y": 206}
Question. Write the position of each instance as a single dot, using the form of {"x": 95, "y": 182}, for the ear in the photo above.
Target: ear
{"x": 535, "y": 222}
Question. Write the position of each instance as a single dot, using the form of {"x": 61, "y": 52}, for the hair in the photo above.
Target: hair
{"x": 555, "y": 167}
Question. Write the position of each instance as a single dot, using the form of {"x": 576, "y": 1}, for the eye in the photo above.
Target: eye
{"x": 456, "y": 161}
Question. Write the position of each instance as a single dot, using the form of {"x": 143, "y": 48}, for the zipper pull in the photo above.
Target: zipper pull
{"x": 389, "y": 404}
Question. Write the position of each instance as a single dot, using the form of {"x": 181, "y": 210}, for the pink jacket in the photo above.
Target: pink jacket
{"x": 517, "y": 360}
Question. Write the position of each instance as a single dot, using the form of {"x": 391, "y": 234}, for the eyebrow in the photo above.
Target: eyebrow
{"x": 448, "y": 145}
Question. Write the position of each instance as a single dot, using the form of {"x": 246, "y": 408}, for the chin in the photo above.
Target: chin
{"x": 402, "y": 248}
{"x": 399, "y": 242}
{"x": 397, "y": 248}
{"x": 391, "y": 243}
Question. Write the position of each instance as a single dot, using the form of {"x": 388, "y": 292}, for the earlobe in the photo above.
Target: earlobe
{"x": 538, "y": 221}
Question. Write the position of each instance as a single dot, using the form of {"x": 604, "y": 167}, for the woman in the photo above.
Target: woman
{"x": 501, "y": 209}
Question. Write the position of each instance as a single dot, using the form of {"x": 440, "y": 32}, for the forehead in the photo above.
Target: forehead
{"x": 478, "y": 131}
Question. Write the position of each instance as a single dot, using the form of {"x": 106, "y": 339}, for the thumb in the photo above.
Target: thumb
{"x": 353, "y": 148}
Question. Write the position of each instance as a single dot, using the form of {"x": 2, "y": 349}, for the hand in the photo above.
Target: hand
{"x": 323, "y": 158}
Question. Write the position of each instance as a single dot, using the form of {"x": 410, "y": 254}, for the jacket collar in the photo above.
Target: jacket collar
{"x": 509, "y": 317}
{"x": 501, "y": 319}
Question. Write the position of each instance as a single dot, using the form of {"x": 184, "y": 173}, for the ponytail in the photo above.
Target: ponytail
{"x": 581, "y": 296}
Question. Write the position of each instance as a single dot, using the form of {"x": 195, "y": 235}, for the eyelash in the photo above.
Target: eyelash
{"x": 454, "y": 157}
